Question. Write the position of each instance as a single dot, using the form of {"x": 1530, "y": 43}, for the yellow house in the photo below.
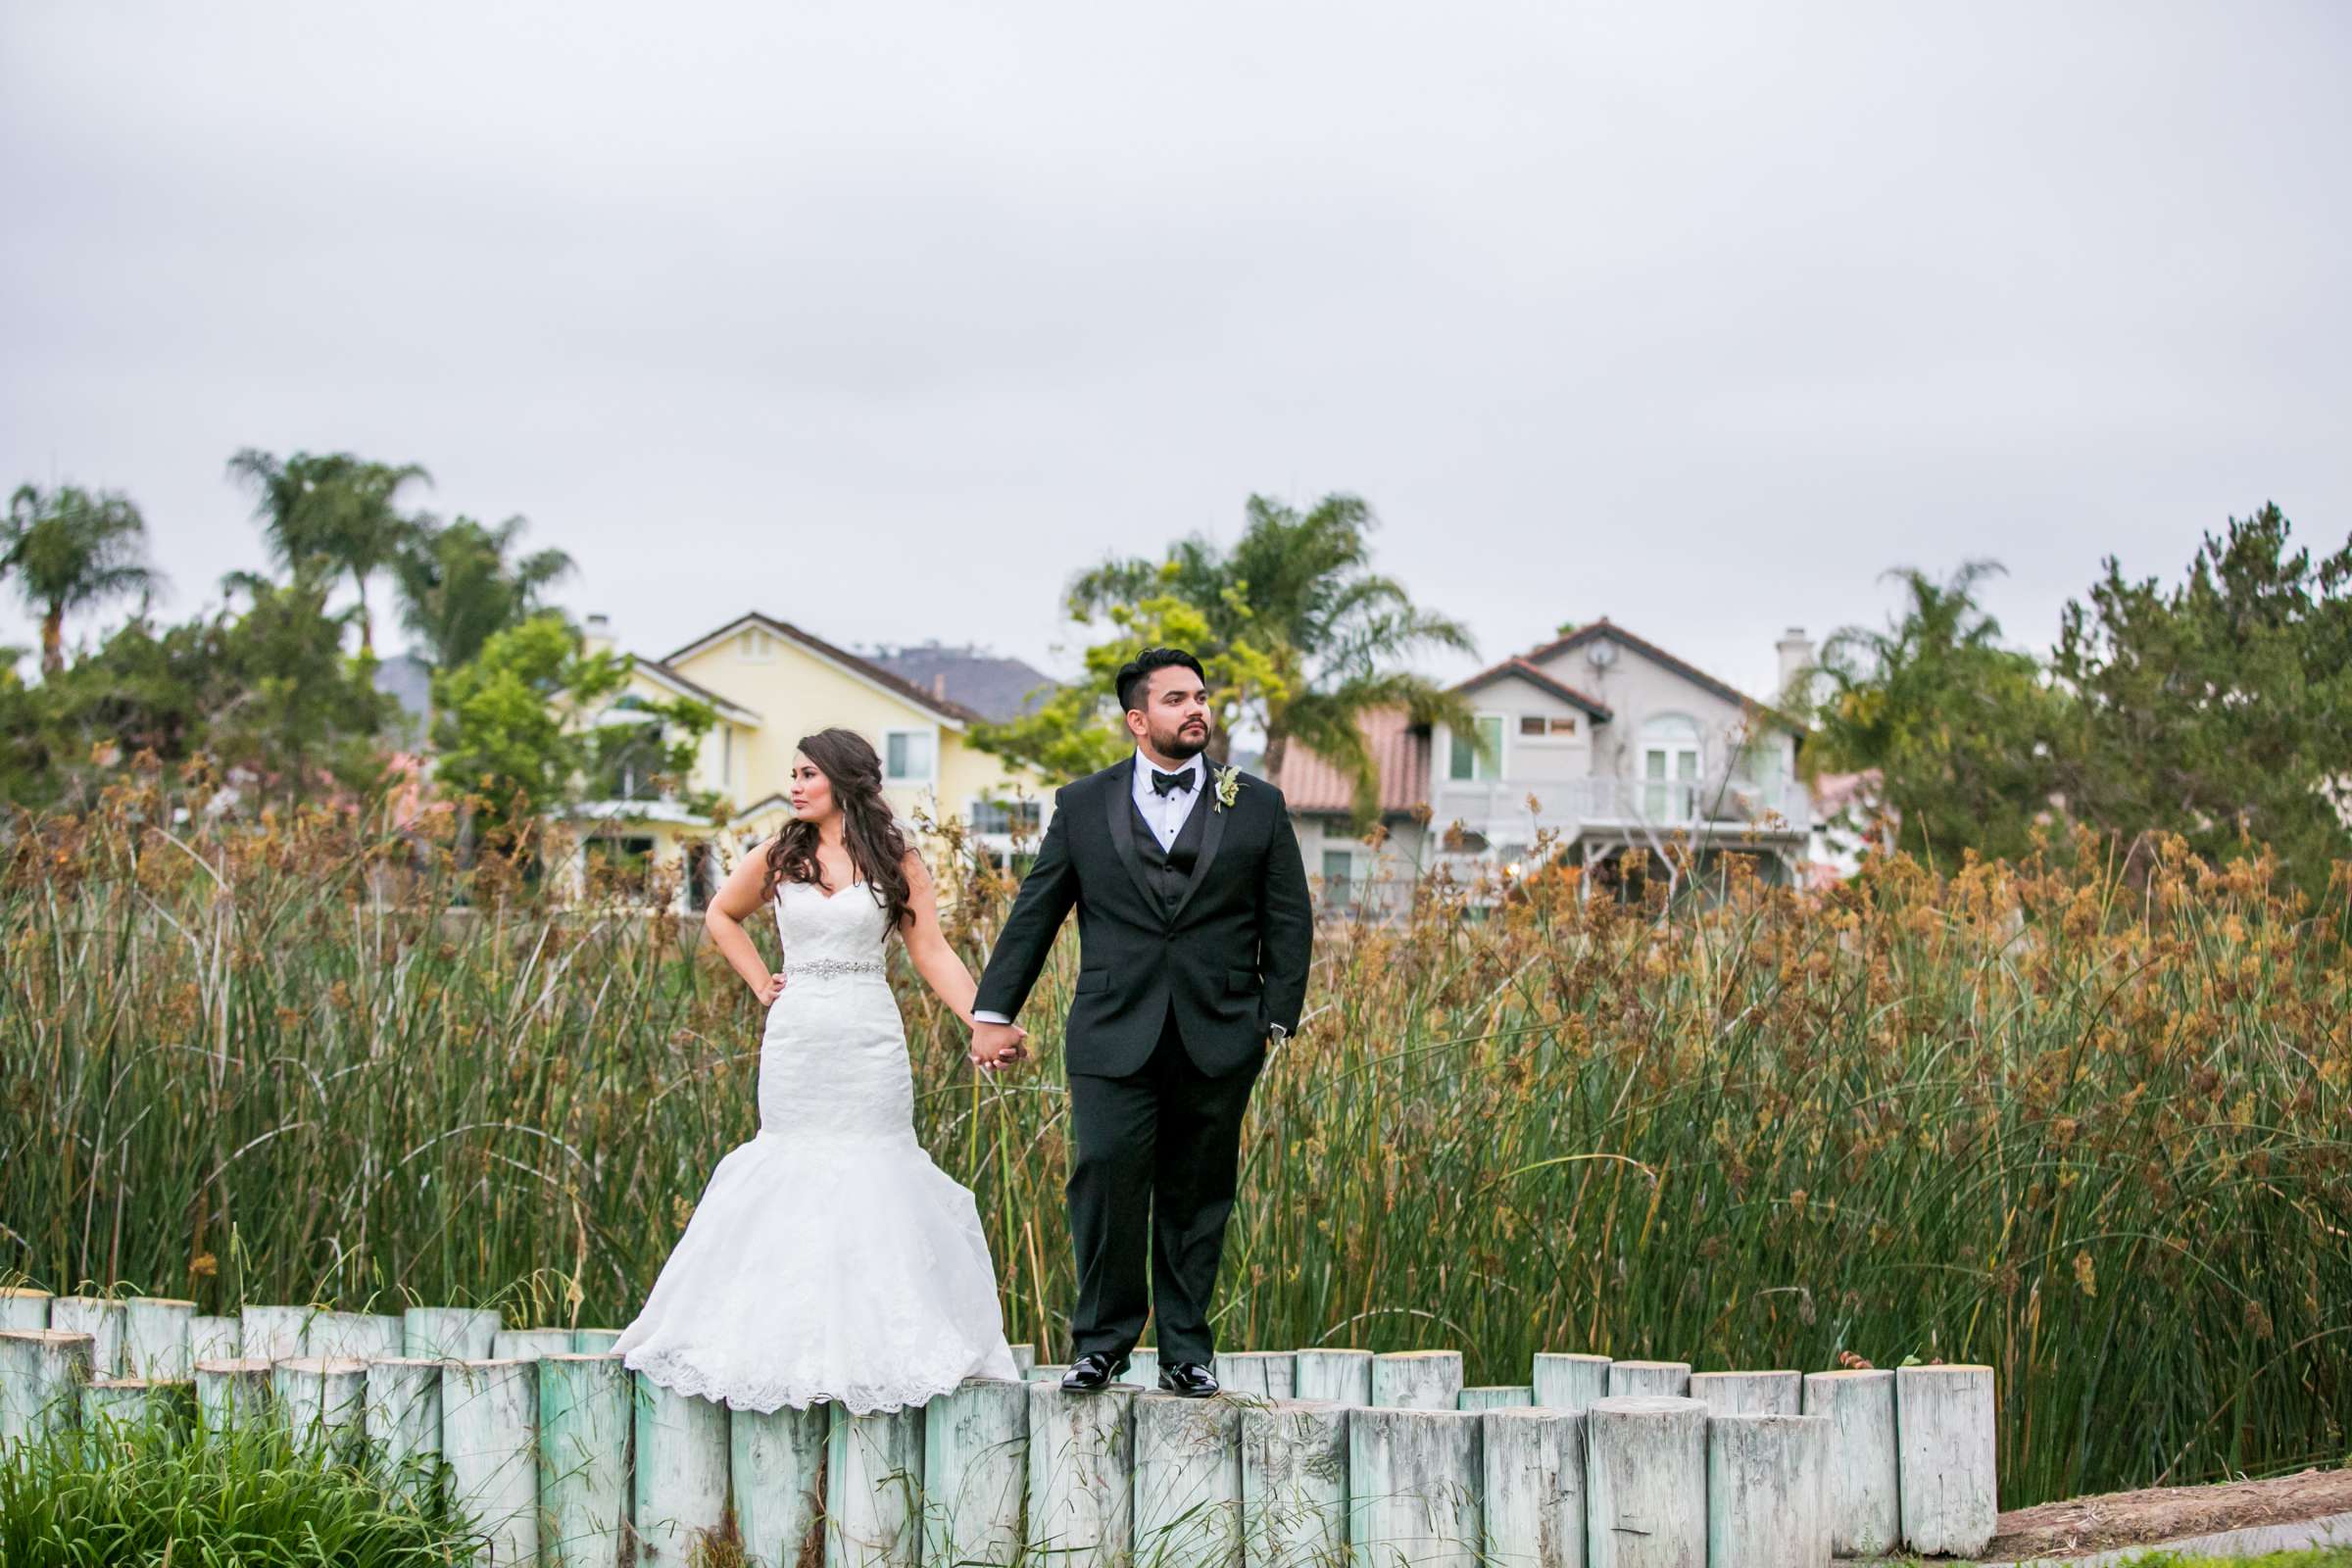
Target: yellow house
{"x": 770, "y": 683}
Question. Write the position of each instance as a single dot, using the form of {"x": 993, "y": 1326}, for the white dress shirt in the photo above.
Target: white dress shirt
{"x": 1166, "y": 813}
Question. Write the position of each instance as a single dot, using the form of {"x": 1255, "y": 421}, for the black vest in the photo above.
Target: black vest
{"x": 1170, "y": 870}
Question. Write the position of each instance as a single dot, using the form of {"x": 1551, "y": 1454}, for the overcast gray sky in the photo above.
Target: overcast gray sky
{"x": 885, "y": 317}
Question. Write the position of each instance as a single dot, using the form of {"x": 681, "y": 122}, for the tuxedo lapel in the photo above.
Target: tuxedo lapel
{"x": 1119, "y": 804}
{"x": 1212, "y": 832}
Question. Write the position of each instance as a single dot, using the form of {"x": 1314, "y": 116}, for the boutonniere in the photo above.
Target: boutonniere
{"x": 1229, "y": 785}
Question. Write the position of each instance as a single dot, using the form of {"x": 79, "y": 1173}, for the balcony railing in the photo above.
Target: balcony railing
{"x": 1573, "y": 806}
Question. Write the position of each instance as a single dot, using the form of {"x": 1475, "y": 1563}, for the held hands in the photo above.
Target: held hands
{"x": 997, "y": 1045}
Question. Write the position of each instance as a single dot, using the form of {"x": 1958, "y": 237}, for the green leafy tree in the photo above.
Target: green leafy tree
{"x": 1300, "y": 636}
{"x": 505, "y": 723}
{"x": 332, "y": 514}
{"x": 461, "y": 583}
{"x": 67, "y": 549}
{"x": 287, "y": 703}
{"x": 2220, "y": 709}
{"x": 1960, "y": 730}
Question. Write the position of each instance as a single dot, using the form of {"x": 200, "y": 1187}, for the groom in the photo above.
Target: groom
{"x": 1194, "y": 931}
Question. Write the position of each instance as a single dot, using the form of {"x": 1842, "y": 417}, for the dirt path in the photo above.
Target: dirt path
{"x": 2167, "y": 1513}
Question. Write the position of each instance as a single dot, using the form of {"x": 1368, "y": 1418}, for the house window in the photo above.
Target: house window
{"x": 1540, "y": 726}
{"x": 1669, "y": 767}
{"x": 1477, "y": 751}
{"x": 907, "y": 756}
{"x": 758, "y": 646}
{"x": 1023, "y": 818}
{"x": 1339, "y": 878}
{"x": 726, "y": 754}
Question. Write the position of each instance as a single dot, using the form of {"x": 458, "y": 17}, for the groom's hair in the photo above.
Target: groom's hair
{"x": 1135, "y": 675}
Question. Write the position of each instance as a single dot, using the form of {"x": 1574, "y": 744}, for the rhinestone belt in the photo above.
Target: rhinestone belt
{"x": 824, "y": 966}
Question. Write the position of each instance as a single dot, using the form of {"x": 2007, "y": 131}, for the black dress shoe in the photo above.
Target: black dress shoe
{"x": 1188, "y": 1378}
{"x": 1092, "y": 1374}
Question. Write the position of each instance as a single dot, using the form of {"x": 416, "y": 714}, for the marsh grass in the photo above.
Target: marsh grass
{"x": 2090, "y": 1128}
{"x": 153, "y": 1492}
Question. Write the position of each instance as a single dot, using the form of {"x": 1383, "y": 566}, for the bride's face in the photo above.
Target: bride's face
{"x": 811, "y": 791}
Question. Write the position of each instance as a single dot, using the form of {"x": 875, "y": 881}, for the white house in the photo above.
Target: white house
{"x": 1594, "y": 747}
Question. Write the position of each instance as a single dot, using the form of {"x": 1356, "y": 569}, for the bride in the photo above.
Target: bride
{"x": 829, "y": 1259}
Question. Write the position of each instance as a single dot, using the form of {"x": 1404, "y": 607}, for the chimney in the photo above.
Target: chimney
{"x": 1798, "y": 653}
{"x": 939, "y": 684}
{"x": 598, "y": 638}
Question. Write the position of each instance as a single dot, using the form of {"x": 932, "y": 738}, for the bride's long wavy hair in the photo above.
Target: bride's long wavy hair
{"x": 877, "y": 848}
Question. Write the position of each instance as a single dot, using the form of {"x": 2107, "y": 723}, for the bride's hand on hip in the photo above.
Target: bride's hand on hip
{"x": 768, "y": 989}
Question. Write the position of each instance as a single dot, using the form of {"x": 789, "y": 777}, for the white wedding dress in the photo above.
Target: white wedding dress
{"x": 828, "y": 1258}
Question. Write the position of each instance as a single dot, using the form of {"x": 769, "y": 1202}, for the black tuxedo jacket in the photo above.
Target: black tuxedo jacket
{"x": 1226, "y": 946}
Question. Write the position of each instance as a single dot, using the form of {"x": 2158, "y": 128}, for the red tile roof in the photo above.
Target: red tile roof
{"x": 1399, "y": 751}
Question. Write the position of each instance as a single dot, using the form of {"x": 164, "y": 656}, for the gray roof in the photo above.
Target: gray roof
{"x": 995, "y": 688}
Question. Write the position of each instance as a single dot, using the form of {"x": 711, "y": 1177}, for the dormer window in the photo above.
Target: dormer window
{"x": 758, "y": 646}
{"x": 1540, "y": 726}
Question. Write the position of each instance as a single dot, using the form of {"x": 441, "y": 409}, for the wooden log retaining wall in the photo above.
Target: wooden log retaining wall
{"x": 562, "y": 1457}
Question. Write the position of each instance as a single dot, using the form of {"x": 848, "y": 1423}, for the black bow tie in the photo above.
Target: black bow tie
{"x": 1162, "y": 783}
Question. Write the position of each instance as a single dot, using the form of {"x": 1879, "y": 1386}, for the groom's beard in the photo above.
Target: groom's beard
{"x": 1182, "y": 745}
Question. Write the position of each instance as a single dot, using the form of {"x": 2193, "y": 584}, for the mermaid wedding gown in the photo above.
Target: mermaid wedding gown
{"x": 828, "y": 1258}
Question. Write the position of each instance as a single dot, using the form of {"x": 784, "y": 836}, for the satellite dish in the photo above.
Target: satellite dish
{"x": 1602, "y": 654}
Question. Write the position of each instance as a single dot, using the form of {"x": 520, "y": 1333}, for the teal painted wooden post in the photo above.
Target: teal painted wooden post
{"x": 1534, "y": 1488}
{"x": 323, "y": 1401}
{"x": 1413, "y": 1479}
{"x": 1081, "y": 1476}
{"x": 231, "y": 1393}
{"x": 1142, "y": 1368}
{"x": 681, "y": 1471}
{"x": 1865, "y": 1503}
{"x": 874, "y": 1489}
{"x": 1491, "y": 1396}
{"x": 1768, "y": 1490}
{"x": 1024, "y": 1357}
{"x": 1666, "y": 1379}
{"x": 1417, "y": 1380}
{"x": 530, "y": 1345}
{"x": 1294, "y": 1484}
{"x": 403, "y": 1423}
{"x": 593, "y": 1341}
{"x": 99, "y": 1319}
{"x": 215, "y": 1338}
{"x": 42, "y": 1372}
{"x": 355, "y": 1336}
{"x": 776, "y": 1460}
{"x": 272, "y": 1333}
{"x": 976, "y": 1473}
{"x": 22, "y": 1306}
{"x": 1749, "y": 1392}
{"x": 155, "y": 1338}
{"x": 489, "y": 1440}
{"x": 1945, "y": 1421}
{"x": 1645, "y": 1482}
{"x": 449, "y": 1333}
{"x": 1335, "y": 1377}
{"x": 584, "y": 1421}
{"x": 1267, "y": 1374}
{"x": 1045, "y": 1372}
{"x": 1188, "y": 1482}
{"x": 1570, "y": 1381}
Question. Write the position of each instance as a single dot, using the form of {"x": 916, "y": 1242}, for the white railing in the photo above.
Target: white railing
{"x": 1570, "y": 805}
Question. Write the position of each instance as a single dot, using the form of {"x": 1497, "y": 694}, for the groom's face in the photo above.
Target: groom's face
{"x": 1173, "y": 718}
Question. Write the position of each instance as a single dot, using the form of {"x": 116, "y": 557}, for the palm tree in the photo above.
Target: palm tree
{"x": 458, "y": 586}
{"x": 332, "y": 514}
{"x": 70, "y": 548}
{"x": 1299, "y": 590}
